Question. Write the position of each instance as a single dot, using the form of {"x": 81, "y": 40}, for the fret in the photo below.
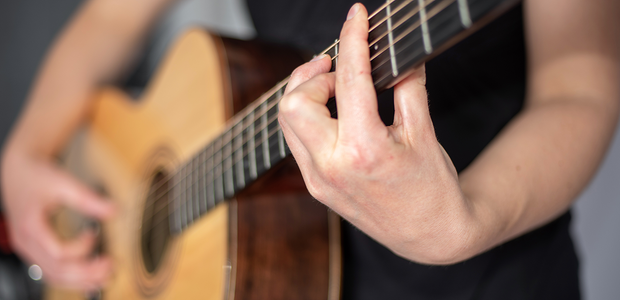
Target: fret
{"x": 258, "y": 143}
{"x": 425, "y": 34}
{"x": 273, "y": 138}
{"x": 464, "y": 13}
{"x": 265, "y": 136}
{"x": 189, "y": 178}
{"x": 182, "y": 198}
{"x": 219, "y": 173}
{"x": 175, "y": 209}
{"x": 252, "y": 147}
{"x": 202, "y": 186}
{"x": 335, "y": 57}
{"x": 210, "y": 177}
{"x": 238, "y": 155}
{"x": 229, "y": 183}
{"x": 274, "y": 146}
{"x": 391, "y": 40}
{"x": 281, "y": 143}
{"x": 196, "y": 189}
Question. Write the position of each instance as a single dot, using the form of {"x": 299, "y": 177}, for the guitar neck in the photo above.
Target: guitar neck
{"x": 403, "y": 34}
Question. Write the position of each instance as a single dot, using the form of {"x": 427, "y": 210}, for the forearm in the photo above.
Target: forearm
{"x": 94, "y": 49}
{"x": 537, "y": 166}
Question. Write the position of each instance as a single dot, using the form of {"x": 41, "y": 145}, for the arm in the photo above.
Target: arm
{"x": 93, "y": 50}
{"x": 397, "y": 184}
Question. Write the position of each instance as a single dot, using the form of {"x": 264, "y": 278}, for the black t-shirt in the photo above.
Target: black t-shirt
{"x": 475, "y": 88}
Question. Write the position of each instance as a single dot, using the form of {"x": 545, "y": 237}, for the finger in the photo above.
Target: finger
{"x": 54, "y": 250}
{"x": 355, "y": 93}
{"x": 411, "y": 112}
{"x": 318, "y": 65}
{"x": 86, "y": 275}
{"x": 83, "y": 199}
{"x": 303, "y": 110}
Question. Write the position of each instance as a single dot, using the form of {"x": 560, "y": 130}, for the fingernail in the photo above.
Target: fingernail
{"x": 317, "y": 58}
{"x": 352, "y": 11}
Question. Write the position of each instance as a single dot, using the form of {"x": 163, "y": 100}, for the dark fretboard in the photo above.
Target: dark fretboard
{"x": 403, "y": 34}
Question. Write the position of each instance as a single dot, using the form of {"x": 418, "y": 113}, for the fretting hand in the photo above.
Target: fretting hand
{"x": 395, "y": 183}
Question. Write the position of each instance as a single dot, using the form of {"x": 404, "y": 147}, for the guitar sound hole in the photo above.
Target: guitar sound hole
{"x": 155, "y": 233}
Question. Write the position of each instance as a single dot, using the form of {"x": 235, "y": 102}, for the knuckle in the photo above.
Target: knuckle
{"x": 291, "y": 104}
{"x": 361, "y": 159}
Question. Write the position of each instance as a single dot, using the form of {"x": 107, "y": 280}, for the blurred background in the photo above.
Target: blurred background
{"x": 28, "y": 27}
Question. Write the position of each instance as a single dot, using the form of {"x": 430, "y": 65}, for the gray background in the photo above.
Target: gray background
{"x": 27, "y": 28}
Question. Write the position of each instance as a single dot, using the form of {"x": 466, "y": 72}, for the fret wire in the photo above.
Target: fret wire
{"x": 263, "y": 104}
{"x": 196, "y": 189}
{"x": 265, "y": 141}
{"x": 425, "y": 35}
{"x": 391, "y": 41}
{"x": 239, "y": 160}
{"x": 188, "y": 193}
{"x": 211, "y": 180}
{"x": 229, "y": 182}
{"x": 218, "y": 174}
{"x": 464, "y": 13}
{"x": 175, "y": 206}
{"x": 252, "y": 154}
{"x": 279, "y": 95}
{"x": 203, "y": 183}
{"x": 182, "y": 199}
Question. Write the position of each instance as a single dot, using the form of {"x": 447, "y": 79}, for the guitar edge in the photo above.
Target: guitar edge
{"x": 273, "y": 242}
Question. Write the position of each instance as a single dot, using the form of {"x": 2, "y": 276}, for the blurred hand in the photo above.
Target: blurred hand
{"x": 395, "y": 183}
{"x": 33, "y": 188}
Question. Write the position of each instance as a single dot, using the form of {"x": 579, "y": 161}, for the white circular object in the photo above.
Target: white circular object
{"x": 35, "y": 272}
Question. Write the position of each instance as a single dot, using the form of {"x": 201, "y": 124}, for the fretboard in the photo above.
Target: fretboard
{"x": 403, "y": 34}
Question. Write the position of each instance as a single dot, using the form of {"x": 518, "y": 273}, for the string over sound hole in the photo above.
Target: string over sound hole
{"x": 155, "y": 233}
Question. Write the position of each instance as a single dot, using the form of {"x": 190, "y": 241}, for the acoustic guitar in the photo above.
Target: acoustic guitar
{"x": 210, "y": 205}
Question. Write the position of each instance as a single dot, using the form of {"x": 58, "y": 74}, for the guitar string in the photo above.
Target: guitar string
{"x": 234, "y": 152}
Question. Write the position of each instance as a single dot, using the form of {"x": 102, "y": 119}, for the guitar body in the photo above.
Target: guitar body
{"x": 273, "y": 241}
